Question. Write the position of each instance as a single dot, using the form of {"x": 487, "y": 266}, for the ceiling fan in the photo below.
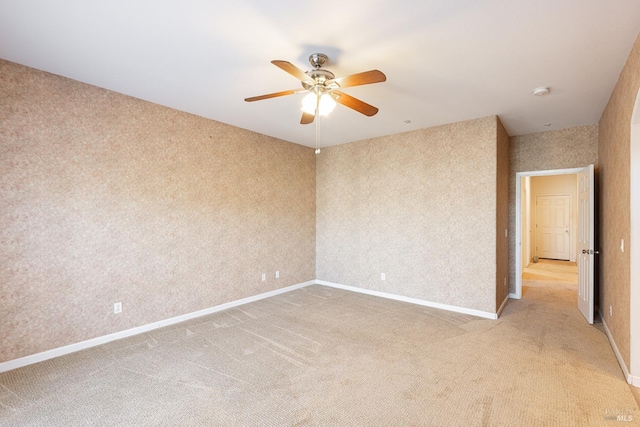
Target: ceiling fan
{"x": 323, "y": 88}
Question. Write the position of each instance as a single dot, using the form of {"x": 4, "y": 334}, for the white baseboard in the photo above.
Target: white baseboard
{"x": 630, "y": 379}
{"x": 513, "y": 295}
{"x": 478, "y": 313}
{"x": 502, "y": 306}
{"x": 61, "y": 351}
{"x": 71, "y": 348}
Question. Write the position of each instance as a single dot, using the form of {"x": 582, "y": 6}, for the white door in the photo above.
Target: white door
{"x": 585, "y": 245}
{"x": 553, "y": 213}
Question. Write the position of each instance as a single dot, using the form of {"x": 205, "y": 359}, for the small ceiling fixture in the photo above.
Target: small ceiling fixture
{"x": 541, "y": 91}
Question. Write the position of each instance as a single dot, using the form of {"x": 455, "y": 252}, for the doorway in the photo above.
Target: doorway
{"x": 523, "y": 238}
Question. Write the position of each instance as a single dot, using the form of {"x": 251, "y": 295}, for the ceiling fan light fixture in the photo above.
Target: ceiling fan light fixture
{"x": 327, "y": 105}
{"x": 310, "y": 102}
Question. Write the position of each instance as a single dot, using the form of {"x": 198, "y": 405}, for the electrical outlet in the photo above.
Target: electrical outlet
{"x": 277, "y": 274}
{"x": 117, "y": 308}
{"x": 610, "y": 310}
{"x": 264, "y": 276}
{"x": 382, "y": 276}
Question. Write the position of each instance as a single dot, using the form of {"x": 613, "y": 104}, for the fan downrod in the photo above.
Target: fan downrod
{"x": 317, "y": 60}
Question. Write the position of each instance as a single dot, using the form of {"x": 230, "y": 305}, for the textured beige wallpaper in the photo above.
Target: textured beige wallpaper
{"x": 106, "y": 198}
{"x": 419, "y": 207}
{"x": 502, "y": 212}
{"x": 614, "y": 207}
{"x": 560, "y": 149}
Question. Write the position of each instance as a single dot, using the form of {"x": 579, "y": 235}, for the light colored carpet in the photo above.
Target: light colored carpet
{"x": 325, "y": 357}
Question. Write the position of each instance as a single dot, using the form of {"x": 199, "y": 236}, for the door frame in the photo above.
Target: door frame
{"x": 518, "y": 255}
{"x": 634, "y": 246}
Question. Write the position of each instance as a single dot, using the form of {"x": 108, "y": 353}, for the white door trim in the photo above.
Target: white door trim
{"x": 518, "y": 255}
{"x": 634, "y": 246}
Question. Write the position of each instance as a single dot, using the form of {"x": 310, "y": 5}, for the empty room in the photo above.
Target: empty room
{"x": 337, "y": 214}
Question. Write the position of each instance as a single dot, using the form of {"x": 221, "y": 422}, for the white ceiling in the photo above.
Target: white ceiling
{"x": 445, "y": 60}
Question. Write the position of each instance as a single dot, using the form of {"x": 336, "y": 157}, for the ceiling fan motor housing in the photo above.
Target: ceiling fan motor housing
{"x": 317, "y": 60}
{"x": 319, "y": 77}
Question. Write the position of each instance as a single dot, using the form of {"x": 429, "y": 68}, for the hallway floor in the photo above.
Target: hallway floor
{"x": 565, "y": 272}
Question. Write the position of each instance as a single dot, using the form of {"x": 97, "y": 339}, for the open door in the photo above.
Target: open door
{"x": 585, "y": 245}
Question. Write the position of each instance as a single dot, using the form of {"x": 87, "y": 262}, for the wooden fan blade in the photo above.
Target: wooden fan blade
{"x": 355, "y": 104}
{"x": 293, "y": 70}
{"x": 307, "y": 118}
{"x": 365, "y": 78}
{"x": 274, "y": 95}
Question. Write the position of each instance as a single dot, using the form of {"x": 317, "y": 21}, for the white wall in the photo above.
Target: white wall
{"x": 557, "y": 184}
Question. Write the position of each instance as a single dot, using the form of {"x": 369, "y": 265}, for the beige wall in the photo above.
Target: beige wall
{"x": 560, "y": 149}
{"x": 109, "y": 199}
{"x": 106, "y": 199}
{"x": 614, "y": 208}
{"x": 416, "y": 207}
